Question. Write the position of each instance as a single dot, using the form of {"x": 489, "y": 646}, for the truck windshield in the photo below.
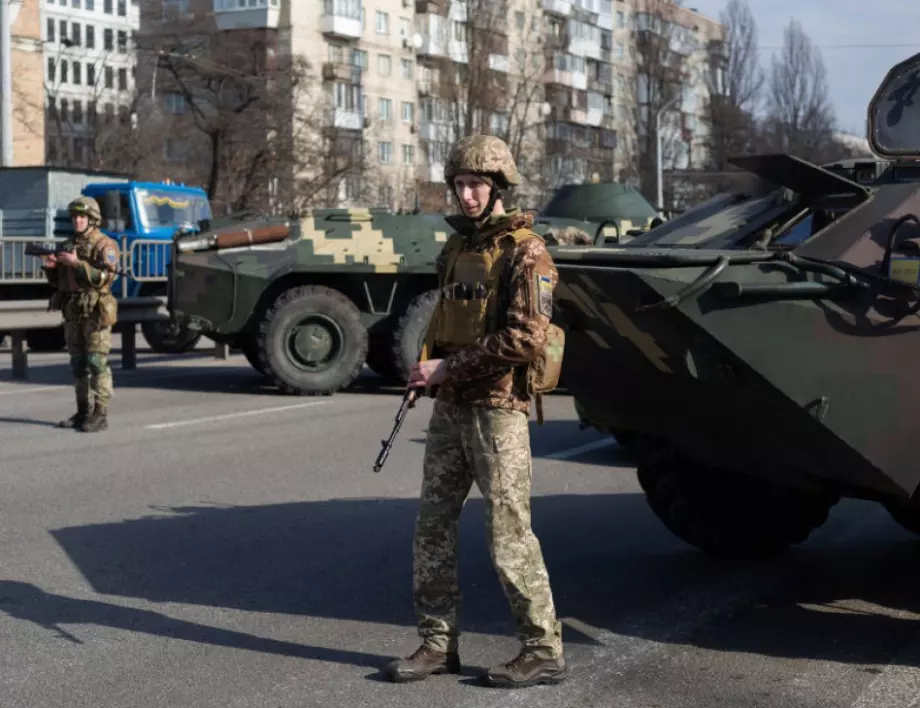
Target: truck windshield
{"x": 161, "y": 207}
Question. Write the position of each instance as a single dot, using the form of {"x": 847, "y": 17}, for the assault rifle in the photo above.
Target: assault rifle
{"x": 44, "y": 249}
{"x": 408, "y": 402}
{"x": 41, "y": 250}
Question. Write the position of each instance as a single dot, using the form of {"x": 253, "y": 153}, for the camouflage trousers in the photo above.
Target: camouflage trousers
{"x": 89, "y": 345}
{"x": 490, "y": 447}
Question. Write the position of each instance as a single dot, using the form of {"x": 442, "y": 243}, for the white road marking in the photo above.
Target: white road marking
{"x": 25, "y": 390}
{"x": 226, "y": 416}
{"x": 587, "y": 447}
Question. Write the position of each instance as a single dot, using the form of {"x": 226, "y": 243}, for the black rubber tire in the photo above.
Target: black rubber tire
{"x": 409, "y": 333}
{"x": 162, "y": 342}
{"x": 51, "y": 339}
{"x": 380, "y": 358}
{"x": 250, "y": 349}
{"x": 905, "y": 512}
{"x": 339, "y": 319}
{"x": 626, "y": 439}
{"x": 727, "y": 514}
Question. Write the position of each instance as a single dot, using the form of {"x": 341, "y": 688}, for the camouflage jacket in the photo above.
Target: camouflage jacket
{"x": 96, "y": 268}
{"x": 492, "y": 372}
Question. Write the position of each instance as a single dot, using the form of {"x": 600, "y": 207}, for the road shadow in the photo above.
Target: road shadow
{"x": 613, "y": 566}
{"x": 26, "y": 602}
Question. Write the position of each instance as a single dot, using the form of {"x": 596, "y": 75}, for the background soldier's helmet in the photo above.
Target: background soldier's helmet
{"x": 88, "y": 206}
{"x": 482, "y": 154}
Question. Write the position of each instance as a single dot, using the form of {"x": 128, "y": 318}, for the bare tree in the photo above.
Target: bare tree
{"x": 799, "y": 116}
{"x": 735, "y": 82}
{"x": 251, "y": 122}
{"x": 662, "y": 70}
{"x": 482, "y": 73}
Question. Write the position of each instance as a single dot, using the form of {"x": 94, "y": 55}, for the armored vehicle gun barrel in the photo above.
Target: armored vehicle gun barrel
{"x": 759, "y": 348}
{"x": 235, "y": 238}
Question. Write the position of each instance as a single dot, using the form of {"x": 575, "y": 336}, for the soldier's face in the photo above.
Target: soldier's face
{"x": 473, "y": 193}
{"x": 80, "y": 223}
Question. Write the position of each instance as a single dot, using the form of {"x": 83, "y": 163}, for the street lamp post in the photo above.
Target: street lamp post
{"x": 660, "y": 178}
{"x": 6, "y": 83}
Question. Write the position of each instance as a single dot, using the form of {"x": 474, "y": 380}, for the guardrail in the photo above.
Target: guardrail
{"x": 144, "y": 261}
{"x": 17, "y": 316}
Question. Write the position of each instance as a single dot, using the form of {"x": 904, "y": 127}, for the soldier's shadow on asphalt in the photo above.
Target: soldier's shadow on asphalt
{"x": 614, "y": 568}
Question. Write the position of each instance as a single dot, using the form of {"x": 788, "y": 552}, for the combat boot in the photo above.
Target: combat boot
{"x": 421, "y": 664}
{"x": 96, "y": 421}
{"x": 78, "y": 418}
{"x": 527, "y": 669}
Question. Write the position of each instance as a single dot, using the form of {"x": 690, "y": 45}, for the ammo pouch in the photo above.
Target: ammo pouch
{"x": 107, "y": 310}
{"x": 544, "y": 372}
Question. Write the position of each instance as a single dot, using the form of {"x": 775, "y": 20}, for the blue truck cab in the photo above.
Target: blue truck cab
{"x": 144, "y": 221}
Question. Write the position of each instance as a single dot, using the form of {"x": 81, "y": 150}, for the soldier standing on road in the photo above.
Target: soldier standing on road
{"x": 82, "y": 275}
{"x": 491, "y": 324}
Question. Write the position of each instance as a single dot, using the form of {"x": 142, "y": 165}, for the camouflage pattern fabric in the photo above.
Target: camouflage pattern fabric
{"x": 570, "y": 236}
{"x": 481, "y": 154}
{"x": 491, "y": 447}
{"x": 89, "y": 309}
{"x": 492, "y": 372}
{"x": 89, "y": 345}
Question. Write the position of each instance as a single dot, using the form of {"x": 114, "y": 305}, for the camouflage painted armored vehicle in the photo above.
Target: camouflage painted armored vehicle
{"x": 595, "y": 213}
{"x": 761, "y": 347}
{"x": 309, "y": 300}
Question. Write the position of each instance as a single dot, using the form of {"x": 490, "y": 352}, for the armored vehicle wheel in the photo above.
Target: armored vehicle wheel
{"x": 250, "y": 349}
{"x": 727, "y": 514}
{"x": 380, "y": 359}
{"x": 409, "y": 333}
{"x": 312, "y": 341}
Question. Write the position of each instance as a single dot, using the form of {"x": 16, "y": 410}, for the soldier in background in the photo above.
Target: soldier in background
{"x": 82, "y": 274}
{"x": 489, "y": 328}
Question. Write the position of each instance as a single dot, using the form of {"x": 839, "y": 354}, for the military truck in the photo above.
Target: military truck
{"x": 760, "y": 347}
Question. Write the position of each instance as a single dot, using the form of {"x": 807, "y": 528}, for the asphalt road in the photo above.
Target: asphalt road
{"x": 223, "y": 546}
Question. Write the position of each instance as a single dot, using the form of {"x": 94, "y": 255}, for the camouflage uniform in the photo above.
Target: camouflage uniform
{"x": 479, "y": 432}
{"x": 83, "y": 295}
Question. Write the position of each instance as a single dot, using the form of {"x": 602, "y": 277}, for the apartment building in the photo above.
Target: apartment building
{"x": 89, "y": 72}
{"x": 400, "y": 80}
{"x": 28, "y": 117}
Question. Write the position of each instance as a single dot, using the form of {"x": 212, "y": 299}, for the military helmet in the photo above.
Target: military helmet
{"x": 86, "y": 205}
{"x": 482, "y": 154}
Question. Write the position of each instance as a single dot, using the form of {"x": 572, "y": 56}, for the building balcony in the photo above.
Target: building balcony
{"x": 346, "y": 119}
{"x": 345, "y": 73}
{"x": 437, "y": 131}
{"x": 585, "y": 48}
{"x": 342, "y": 18}
{"x": 424, "y": 87}
{"x": 601, "y": 86}
{"x": 432, "y": 172}
{"x": 499, "y": 62}
{"x": 258, "y": 14}
{"x": 572, "y": 79}
{"x": 558, "y": 7}
{"x": 431, "y": 7}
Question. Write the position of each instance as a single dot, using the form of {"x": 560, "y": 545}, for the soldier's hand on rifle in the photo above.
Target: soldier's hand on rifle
{"x": 427, "y": 373}
{"x": 49, "y": 261}
{"x": 67, "y": 258}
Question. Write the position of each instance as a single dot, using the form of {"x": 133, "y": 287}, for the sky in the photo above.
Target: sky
{"x": 891, "y": 28}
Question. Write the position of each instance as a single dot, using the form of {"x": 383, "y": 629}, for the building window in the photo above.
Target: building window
{"x": 386, "y": 152}
{"x": 90, "y": 37}
{"x": 408, "y": 111}
{"x": 407, "y": 68}
{"x": 408, "y": 154}
{"x": 122, "y": 42}
{"x": 50, "y": 30}
{"x": 75, "y": 34}
{"x": 122, "y": 79}
{"x": 383, "y": 23}
{"x": 107, "y": 7}
{"x": 108, "y": 40}
{"x": 109, "y": 77}
{"x": 385, "y": 108}
{"x": 384, "y": 67}
{"x": 90, "y": 74}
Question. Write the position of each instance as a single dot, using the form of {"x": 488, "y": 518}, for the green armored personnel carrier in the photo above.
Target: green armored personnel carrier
{"x": 309, "y": 300}
{"x": 760, "y": 349}
{"x": 595, "y": 213}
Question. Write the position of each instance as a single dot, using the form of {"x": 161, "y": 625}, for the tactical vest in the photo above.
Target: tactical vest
{"x": 467, "y": 310}
{"x": 79, "y": 302}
